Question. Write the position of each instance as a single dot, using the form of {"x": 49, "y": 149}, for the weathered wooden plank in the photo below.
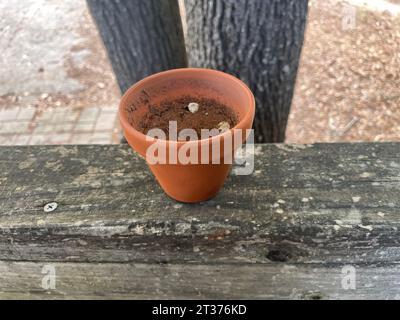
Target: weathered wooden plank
{"x": 188, "y": 281}
{"x": 316, "y": 206}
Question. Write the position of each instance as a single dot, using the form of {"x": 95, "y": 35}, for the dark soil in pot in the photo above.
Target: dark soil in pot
{"x": 189, "y": 113}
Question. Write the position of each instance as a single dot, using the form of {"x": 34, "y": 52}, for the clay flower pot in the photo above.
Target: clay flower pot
{"x": 188, "y": 182}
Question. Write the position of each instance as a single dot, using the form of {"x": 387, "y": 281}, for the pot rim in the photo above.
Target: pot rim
{"x": 139, "y": 135}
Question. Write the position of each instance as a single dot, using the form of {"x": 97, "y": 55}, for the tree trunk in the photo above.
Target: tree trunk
{"x": 141, "y": 37}
{"x": 257, "y": 40}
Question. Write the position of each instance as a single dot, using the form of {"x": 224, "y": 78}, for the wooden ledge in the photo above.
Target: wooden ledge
{"x": 286, "y": 231}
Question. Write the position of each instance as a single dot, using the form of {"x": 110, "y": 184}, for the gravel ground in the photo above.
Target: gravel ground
{"x": 347, "y": 87}
{"x": 349, "y": 79}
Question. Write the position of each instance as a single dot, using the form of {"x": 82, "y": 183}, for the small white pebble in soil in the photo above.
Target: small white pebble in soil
{"x": 381, "y": 214}
{"x": 279, "y": 211}
{"x": 356, "y": 199}
{"x": 193, "y": 107}
{"x": 305, "y": 200}
{"x": 281, "y": 201}
{"x": 223, "y": 126}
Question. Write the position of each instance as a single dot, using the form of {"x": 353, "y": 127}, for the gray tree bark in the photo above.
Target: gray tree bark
{"x": 141, "y": 37}
{"x": 257, "y": 40}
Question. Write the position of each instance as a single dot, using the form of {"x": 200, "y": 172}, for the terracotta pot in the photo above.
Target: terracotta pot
{"x": 188, "y": 182}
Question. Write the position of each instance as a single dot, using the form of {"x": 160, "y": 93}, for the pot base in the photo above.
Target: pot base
{"x": 179, "y": 198}
{"x": 191, "y": 183}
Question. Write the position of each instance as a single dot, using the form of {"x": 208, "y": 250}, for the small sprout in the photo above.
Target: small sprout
{"x": 223, "y": 126}
{"x": 193, "y": 107}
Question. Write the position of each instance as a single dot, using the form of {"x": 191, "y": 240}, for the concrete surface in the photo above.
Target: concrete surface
{"x": 56, "y": 84}
{"x": 36, "y": 36}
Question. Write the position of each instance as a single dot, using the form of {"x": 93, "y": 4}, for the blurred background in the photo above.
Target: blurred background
{"x": 57, "y": 85}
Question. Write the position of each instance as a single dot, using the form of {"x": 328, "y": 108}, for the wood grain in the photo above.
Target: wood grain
{"x": 286, "y": 231}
